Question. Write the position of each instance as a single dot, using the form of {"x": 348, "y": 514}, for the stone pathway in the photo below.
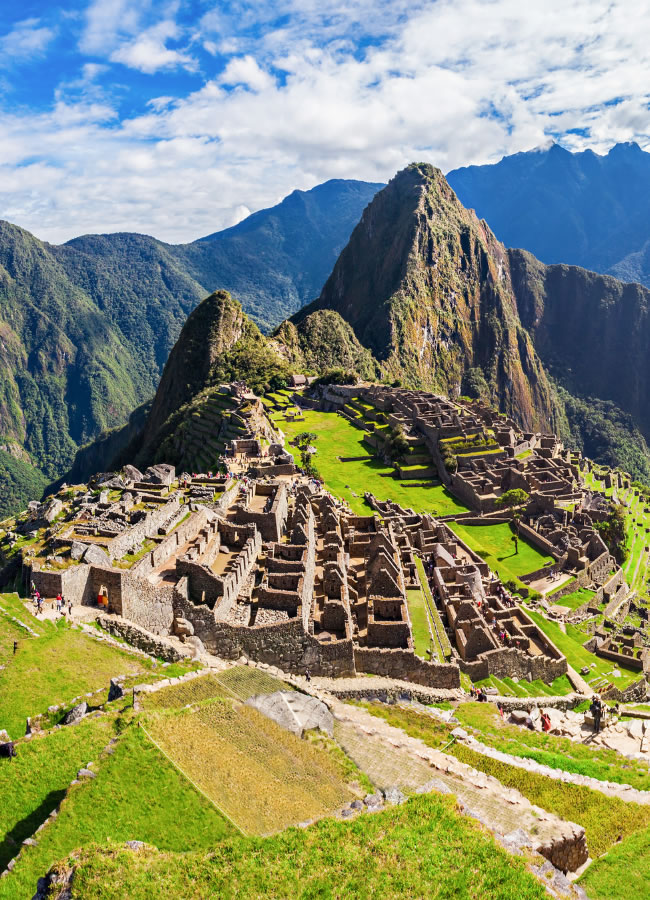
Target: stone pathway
{"x": 392, "y": 758}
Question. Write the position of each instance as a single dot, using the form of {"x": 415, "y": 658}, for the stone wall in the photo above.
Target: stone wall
{"x": 509, "y": 661}
{"x": 139, "y": 637}
{"x": 538, "y": 540}
{"x": 168, "y": 547}
{"x": 136, "y": 534}
{"x": 405, "y": 665}
{"x": 147, "y": 605}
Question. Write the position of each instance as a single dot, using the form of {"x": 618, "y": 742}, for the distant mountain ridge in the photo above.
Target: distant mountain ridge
{"x": 581, "y": 208}
{"x": 86, "y": 327}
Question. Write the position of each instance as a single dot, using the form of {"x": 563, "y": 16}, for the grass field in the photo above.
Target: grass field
{"x": 574, "y": 599}
{"x": 32, "y": 784}
{"x": 60, "y": 664}
{"x": 338, "y": 437}
{"x": 603, "y": 818}
{"x": 137, "y": 795}
{"x": 507, "y": 687}
{"x": 623, "y": 873}
{"x": 420, "y": 849}
{"x": 495, "y": 542}
{"x": 419, "y": 621}
{"x": 552, "y": 750}
{"x": 262, "y": 777}
{"x": 571, "y": 645}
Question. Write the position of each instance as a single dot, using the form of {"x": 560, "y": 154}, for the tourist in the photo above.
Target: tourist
{"x": 500, "y": 709}
{"x": 596, "y": 710}
{"x": 546, "y": 721}
{"x": 482, "y": 696}
{"x": 70, "y": 608}
{"x": 307, "y": 674}
{"x": 59, "y": 602}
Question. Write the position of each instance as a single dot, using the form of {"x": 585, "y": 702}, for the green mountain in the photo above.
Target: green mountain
{"x": 425, "y": 286}
{"x": 442, "y": 304}
{"x": 86, "y": 327}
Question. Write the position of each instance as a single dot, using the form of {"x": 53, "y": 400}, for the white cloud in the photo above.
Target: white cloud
{"x": 334, "y": 90}
{"x": 244, "y": 70}
{"x": 26, "y": 40}
{"x": 148, "y": 52}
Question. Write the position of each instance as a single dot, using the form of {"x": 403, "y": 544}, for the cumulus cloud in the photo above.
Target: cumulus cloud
{"x": 302, "y": 91}
{"x": 148, "y": 52}
{"x": 26, "y": 40}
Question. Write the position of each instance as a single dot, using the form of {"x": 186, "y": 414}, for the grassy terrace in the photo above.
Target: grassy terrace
{"x": 420, "y": 849}
{"x": 570, "y": 644}
{"x": 551, "y": 750}
{"x": 507, "y": 687}
{"x": 604, "y": 819}
{"x": 419, "y": 621}
{"x": 338, "y": 437}
{"x": 574, "y": 599}
{"x": 60, "y": 664}
{"x": 623, "y": 873}
{"x": 137, "y": 795}
{"x": 495, "y": 543}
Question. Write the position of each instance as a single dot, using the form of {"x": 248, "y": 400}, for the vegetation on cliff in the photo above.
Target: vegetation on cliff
{"x": 425, "y": 286}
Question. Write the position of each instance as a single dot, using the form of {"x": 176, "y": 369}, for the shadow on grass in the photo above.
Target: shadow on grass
{"x": 26, "y": 827}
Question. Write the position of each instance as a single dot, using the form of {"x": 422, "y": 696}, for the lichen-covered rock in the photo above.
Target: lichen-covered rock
{"x": 76, "y": 714}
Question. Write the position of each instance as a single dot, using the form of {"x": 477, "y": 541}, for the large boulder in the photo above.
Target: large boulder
{"x": 94, "y": 555}
{"x": 76, "y": 714}
{"x": 161, "y": 473}
{"x": 78, "y": 549}
{"x": 294, "y": 711}
{"x": 130, "y": 473}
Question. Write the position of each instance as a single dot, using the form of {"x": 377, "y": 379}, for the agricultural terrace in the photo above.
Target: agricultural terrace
{"x": 496, "y": 545}
{"x": 420, "y": 849}
{"x": 570, "y": 644}
{"x": 337, "y": 437}
{"x": 510, "y": 687}
{"x": 262, "y": 777}
{"x": 637, "y": 515}
{"x": 137, "y": 794}
{"x": 606, "y": 820}
{"x": 551, "y": 750}
{"x": 59, "y": 664}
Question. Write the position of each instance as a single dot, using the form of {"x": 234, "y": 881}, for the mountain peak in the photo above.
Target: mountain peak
{"x": 422, "y": 282}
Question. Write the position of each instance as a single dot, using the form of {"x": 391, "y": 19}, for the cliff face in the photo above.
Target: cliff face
{"x": 426, "y": 286}
{"x": 591, "y": 331}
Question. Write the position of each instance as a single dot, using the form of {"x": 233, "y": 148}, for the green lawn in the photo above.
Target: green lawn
{"x": 574, "y": 599}
{"x": 507, "y": 687}
{"x": 552, "y": 750}
{"x": 570, "y": 644}
{"x": 33, "y": 784}
{"x": 420, "y": 849}
{"x": 623, "y": 873}
{"x": 60, "y": 664}
{"x": 419, "y": 622}
{"x": 338, "y": 437}
{"x": 497, "y": 542}
{"x": 137, "y": 795}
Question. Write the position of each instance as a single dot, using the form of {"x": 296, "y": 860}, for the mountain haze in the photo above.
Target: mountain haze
{"x": 578, "y": 208}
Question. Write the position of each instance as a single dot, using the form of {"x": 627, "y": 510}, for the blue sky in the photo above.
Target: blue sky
{"x": 178, "y": 118}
